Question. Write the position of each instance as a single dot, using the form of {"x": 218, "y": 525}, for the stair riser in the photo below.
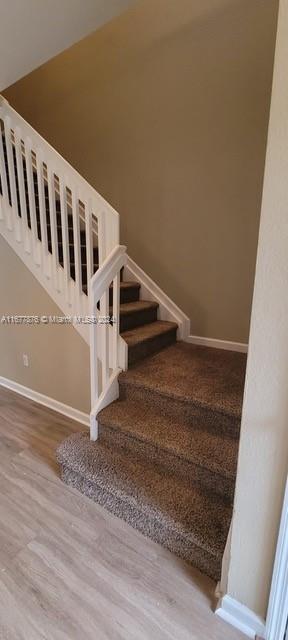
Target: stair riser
{"x": 144, "y": 349}
{"x": 126, "y": 295}
{"x": 197, "y": 417}
{"x": 133, "y": 320}
{"x": 163, "y": 533}
{"x": 190, "y": 474}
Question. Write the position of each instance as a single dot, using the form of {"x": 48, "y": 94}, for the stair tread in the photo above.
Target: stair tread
{"x": 209, "y": 378}
{"x": 123, "y": 285}
{"x": 200, "y": 519}
{"x": 129, "y": 284}
{"x": 147, "y": 332}
{"x": 127, "y": 308}
{"x": 213, "y": 451}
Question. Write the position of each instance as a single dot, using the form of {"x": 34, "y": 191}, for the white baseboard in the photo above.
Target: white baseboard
{"x": 218, "y": 344}
{"x": 40, "y": 398}
{"x": 240, "y": 617}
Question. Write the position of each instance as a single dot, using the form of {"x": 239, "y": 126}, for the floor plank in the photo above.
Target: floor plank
{"x": 68, "y": 569}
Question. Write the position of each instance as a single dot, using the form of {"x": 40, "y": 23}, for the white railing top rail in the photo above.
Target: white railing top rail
{"x": 101, "y": 280}
{"x": 58, "y": 163}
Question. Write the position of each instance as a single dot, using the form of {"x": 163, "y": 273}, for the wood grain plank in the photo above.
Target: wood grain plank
{"x": 69, "y": 570}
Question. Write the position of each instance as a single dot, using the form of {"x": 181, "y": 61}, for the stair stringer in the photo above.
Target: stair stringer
{"x": 168, "y": 310}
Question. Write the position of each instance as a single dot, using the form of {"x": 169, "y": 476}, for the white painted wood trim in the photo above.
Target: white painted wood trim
{"x": 241, "y": 617}
{"x": 278, "y": 603}
{"x": 108, "y": 395}
{"x": 168, "y": 310}
{"x": 218, "y": 344}
{"x": 222, "y": 586}
{"x": 51, "y": 403}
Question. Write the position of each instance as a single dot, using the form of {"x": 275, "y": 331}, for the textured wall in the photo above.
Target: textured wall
{"x": 165, "y": 110}
{"x": 59, "y": 357}
{"x": 263, "y": 459}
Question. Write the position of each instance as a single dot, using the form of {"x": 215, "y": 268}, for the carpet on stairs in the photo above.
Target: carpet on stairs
{"x": 166, "y": 458}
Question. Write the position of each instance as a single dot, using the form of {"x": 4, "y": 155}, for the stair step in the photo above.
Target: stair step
{"x": 181, "y": 518}
{"x": 199, "y": 385}
{"x": 134, "y": 314}
{"x": 150, "y": 338}
{"x": 199, "y": 458}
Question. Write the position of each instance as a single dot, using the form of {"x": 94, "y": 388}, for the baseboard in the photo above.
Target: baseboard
{"x": 240, "y": 617}
{"x": 218, "y": 344}
{"x": 40, "y": 398}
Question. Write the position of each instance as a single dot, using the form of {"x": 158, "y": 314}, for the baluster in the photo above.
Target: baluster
{"x": 101, "y": 238}
{"x": 89, "y": 243}
{"x": 53, "y": 225}
{"x": 21, "y": 185}
{"x": 65, "y": 238}
{"x": 115, "y": 329}
{"x": 94, "y": 378}
{"x": 4, "y": 185}
{"x": 76, "y": 243}
{"x": 12, "y": 180}
{"x": 42, "y": 212}
{"x": 32, "y": 204}
{"x": 104, "y": 329}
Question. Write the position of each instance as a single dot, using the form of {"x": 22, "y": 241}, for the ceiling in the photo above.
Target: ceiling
{"x": 33, "y": 31}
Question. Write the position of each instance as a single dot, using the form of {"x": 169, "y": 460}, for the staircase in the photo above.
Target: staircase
{"x": 165, "y": 415}
{"x": 167, "y": 454}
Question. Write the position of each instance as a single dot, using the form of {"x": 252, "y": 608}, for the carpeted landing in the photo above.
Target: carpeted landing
{"x": 166, "y": 458}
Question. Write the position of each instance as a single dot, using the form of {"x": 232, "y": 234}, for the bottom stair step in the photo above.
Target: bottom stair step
{"x": 199, "y": 457}
{"x": 187, "y": 522}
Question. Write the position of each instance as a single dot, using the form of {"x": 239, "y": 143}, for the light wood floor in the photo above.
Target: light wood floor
{"x": 71, "y": 571}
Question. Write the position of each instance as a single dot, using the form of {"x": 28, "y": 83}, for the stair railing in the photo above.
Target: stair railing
{"x": 105, "y": 356}
{"x": 65, "y": 229}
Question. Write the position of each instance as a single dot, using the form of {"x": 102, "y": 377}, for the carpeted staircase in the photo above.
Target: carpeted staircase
{"x": 166, "y": 458}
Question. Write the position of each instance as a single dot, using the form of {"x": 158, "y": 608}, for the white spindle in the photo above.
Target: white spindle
{"x": 76, "y": 243}
{"x": 65, "y": 238}
{"x": 101, "y": 238}
{"x": 3, "y": 182}
{"x": 11, "y": 173}
{"x": 31, "y": 197}
{"x": 103, "y": 329}
{"x": 53, "y": 225}
{"x": 42, "y": 211}
{"x": 116, "y": 318}
{"x": 89, "y": 242}
{"x": 21, "y": 186}
{"x": 94, "y": 378}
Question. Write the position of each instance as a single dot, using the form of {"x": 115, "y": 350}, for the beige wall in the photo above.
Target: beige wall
{"x": 165, "y": 111}
{"x": 263, "y": 460}
{"x": 59, "y": 357}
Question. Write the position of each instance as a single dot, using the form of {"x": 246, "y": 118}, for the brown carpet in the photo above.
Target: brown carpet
{"x": 167, "y": 454}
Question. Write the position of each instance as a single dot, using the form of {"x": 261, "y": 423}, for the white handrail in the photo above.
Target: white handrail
{"x": 65, "y": 230}
{"x": 104, "y": 338}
